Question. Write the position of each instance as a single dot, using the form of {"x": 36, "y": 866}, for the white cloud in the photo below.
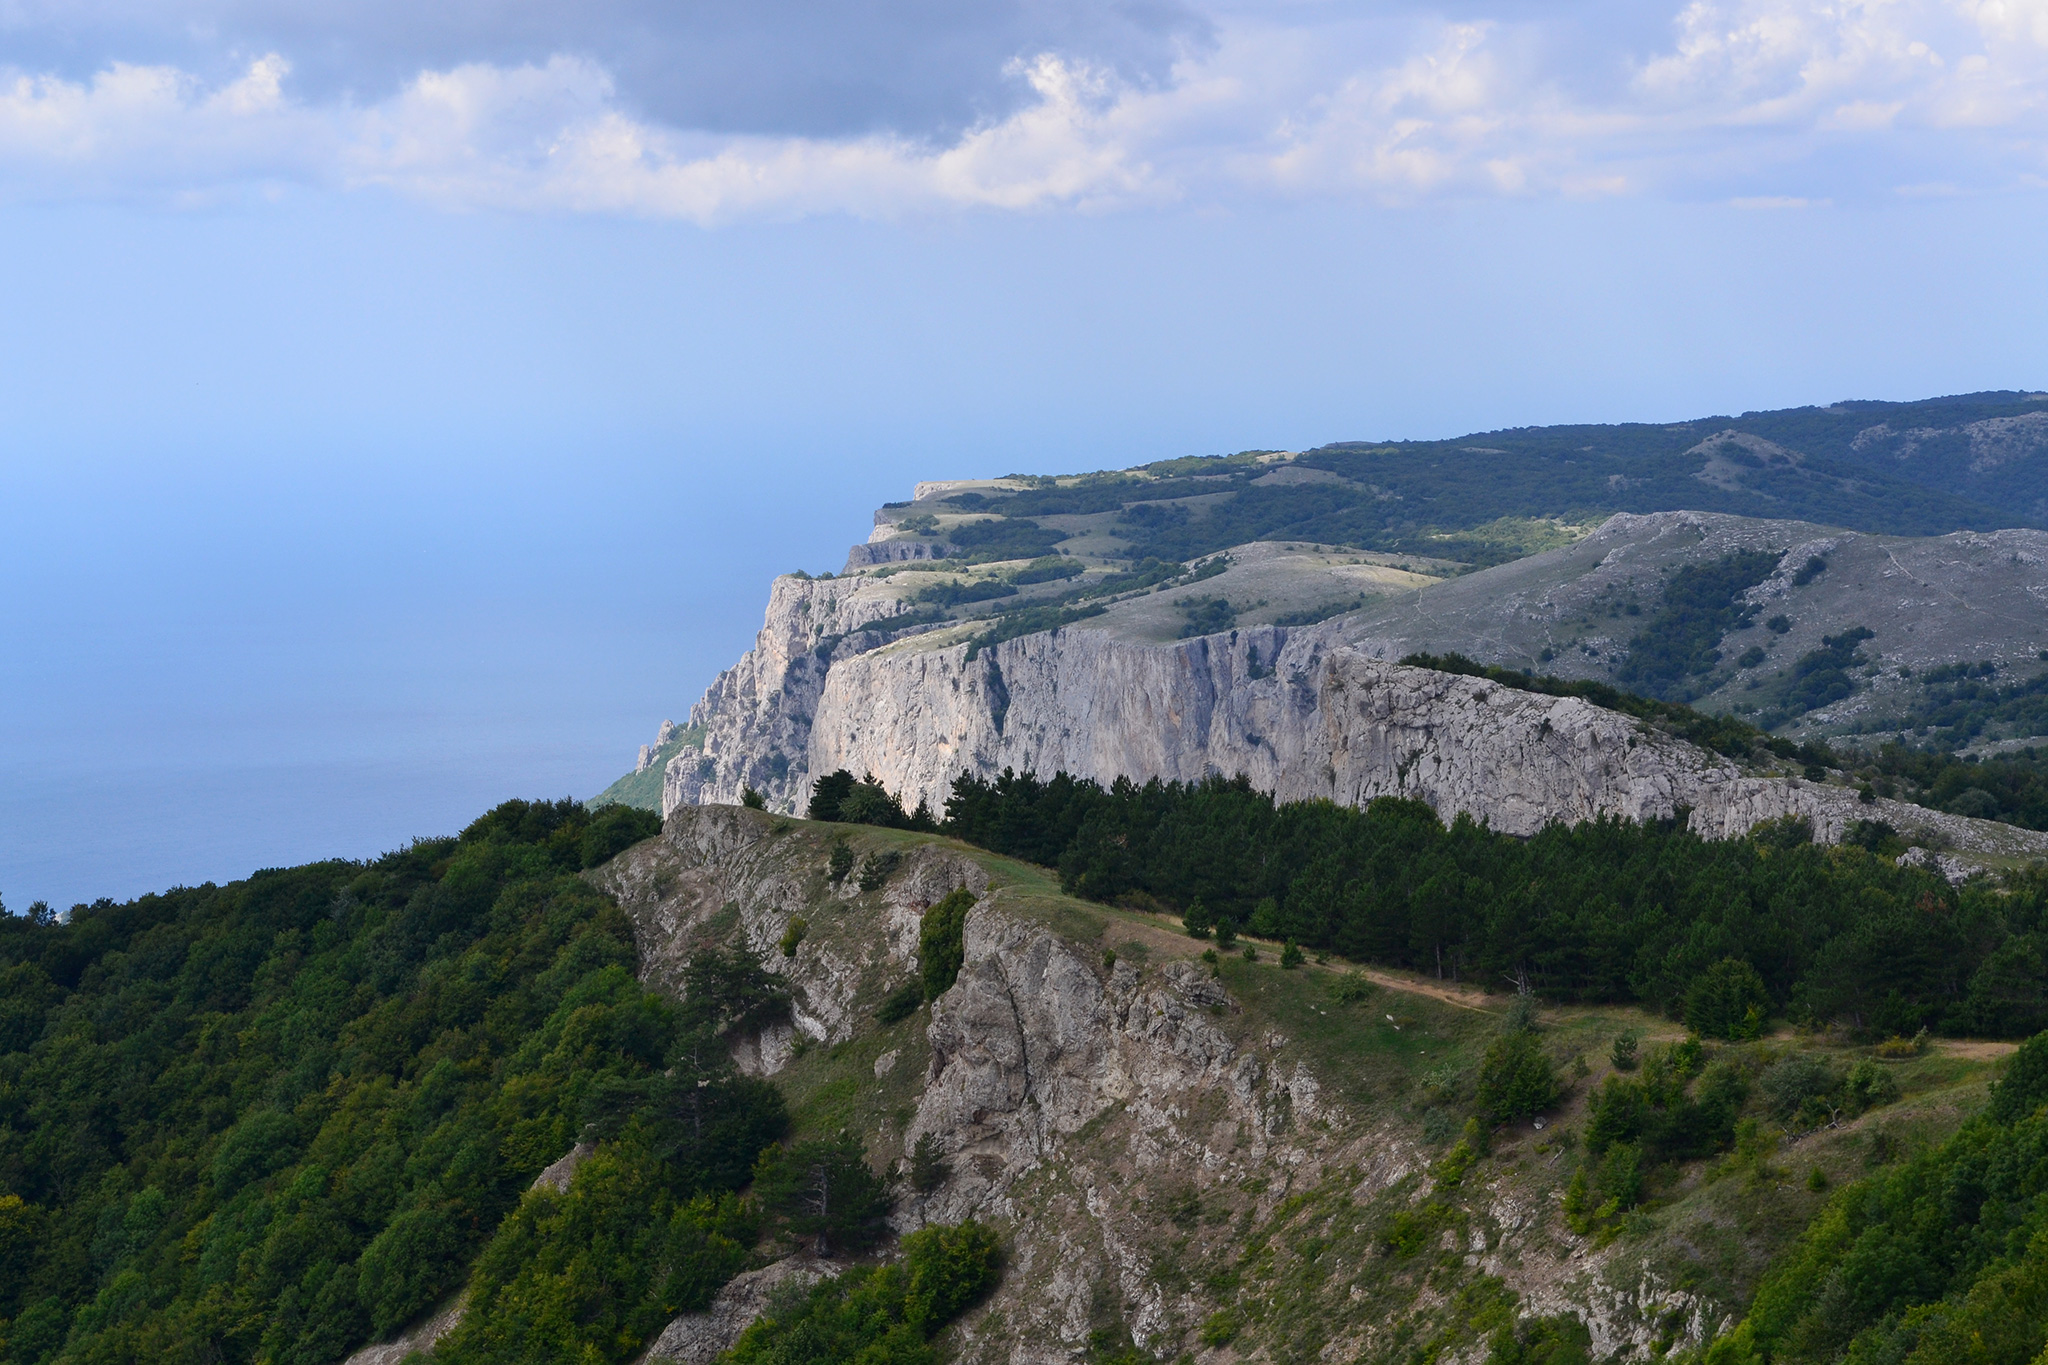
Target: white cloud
{"x": 1756, "y": 102}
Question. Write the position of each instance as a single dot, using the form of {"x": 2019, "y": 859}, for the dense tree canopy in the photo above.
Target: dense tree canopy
{"x": 1603, "y": 911}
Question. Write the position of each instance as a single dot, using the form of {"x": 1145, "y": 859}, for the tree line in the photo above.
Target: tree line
{"x": 1606, "y": 911}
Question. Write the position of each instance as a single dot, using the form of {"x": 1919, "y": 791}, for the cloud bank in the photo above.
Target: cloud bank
{"x": 1766, "y": 103}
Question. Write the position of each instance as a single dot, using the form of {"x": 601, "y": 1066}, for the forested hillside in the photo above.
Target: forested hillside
{"x": 273, "y": 1120}
{"x": 1940, "y": 1261}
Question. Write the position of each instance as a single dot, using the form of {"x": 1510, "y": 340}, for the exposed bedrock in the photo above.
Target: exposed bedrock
{"x": 1299, "y": 712}
{"x": 1305, "y": 719}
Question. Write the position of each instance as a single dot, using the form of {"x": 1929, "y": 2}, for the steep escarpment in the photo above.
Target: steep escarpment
{"x": 1308, "y": 718}
{"x": 755, "y": 719}
{"x": 1222, "y": 1158}
{"x": 917, "y": 669}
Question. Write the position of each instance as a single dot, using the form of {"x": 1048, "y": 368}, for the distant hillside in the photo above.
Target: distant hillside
{"x": 1977, "y": 462}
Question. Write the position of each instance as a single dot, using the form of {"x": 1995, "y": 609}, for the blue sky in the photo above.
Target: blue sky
{"x": 402, "y": 414}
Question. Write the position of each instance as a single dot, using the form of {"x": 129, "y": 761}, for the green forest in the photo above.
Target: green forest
{"x": 1606, "y": 911}
{"x": 1941, "y": 1259}
{"x": 274, "y": 1120}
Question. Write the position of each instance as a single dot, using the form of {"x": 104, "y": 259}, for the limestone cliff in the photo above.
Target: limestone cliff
{"x": 756, "y": 717}
{"x": 1302, "y": 716}
{"x": 1316, "y": 711}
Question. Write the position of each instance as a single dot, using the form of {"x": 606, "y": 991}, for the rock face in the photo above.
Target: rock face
{"x": 757, "y": 714}
{"x": 1304, "y": 717}
{"x": 1303, "y": 712}
{"x": 1119, "y": 1122}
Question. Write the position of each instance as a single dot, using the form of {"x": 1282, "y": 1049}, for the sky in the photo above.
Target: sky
{"x": 403, "y": 408}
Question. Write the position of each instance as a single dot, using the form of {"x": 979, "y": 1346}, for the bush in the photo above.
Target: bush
{"x": 882, "y": 1315}
{"x": 900, "y": 1003}
{"x": 1290, "y": 956}
{"x": 794, "y": 935}
{"x": 1516, "y": 1079}
{"x": 839, "y": 863}
{"x": 1788, "y": 1083}
{"x": 877, "y": 868}
{"x": 941, "y": 942}
{"x": 1559, "y": 1340}
{"x": 1197, "y": 920}
{"x": 1353, "y": 988}
{"x": 1728, "y": 1001}
{"x": 752, "y": 799}
{"x": 1623, "y": 1052}
{"x": 1867, "y": 1086}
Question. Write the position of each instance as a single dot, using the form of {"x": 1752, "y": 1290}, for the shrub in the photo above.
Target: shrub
{"x": 1559, "y": 1340}
{"x": 1623, "y": 1053}
{"x": 941, "y": 942}
{"x": 1197, "y": 920}
{"x": 839, "y": 863}
{"x": 1868, "y": 1086}
{"x": 900, "y": 1003}
{"x": 882, "y": 1315}
{"x": 794, "y": 935}
{"x": 752, "y": 799}
{"x": 1788, "y": 1083}
{"x": 1516, "y": 1079}
{"x": 877, "y": 868}
{"x": 1290, "y": 956}
{"x": 1353, "y": 988}
{"x": 1728, "y": 1001}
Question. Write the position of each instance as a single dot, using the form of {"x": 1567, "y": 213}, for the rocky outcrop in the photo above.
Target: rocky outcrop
{"x": 757, "y": 715}
{"x": 1120, "y": 1121}
{"x": 700, "y": 1338}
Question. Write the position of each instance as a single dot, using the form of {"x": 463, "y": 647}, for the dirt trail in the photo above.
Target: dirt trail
{"x": 1464, "y": 997}
{"x": 1974, "y": 1049}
